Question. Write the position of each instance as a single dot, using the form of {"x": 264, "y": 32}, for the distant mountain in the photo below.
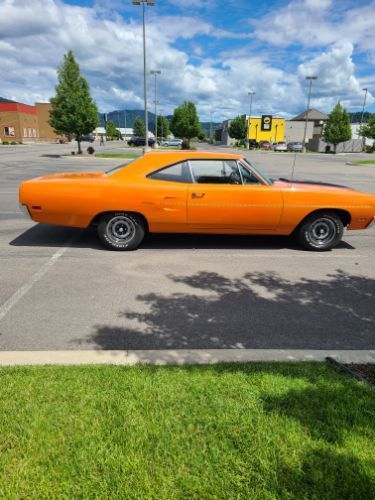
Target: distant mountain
{"x": 121, "y": 117}
{"x": 127, "y": 117}
{"x": 356, "y": 117}
{"x": 206, "y": 126}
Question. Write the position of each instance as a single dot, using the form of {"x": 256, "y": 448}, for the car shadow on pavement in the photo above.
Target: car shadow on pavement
{"x": 44, "y": 235}
{"x": 256, "y": 311}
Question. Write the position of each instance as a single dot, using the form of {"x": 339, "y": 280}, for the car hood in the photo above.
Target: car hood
{"x": 312, "y": 185}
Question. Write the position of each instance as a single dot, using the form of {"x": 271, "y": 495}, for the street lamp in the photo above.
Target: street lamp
{"x": 144, "y": 3}
{"x": 363, "y": 110}
{"x": 251, "y": 94}
{"x": 161, "y": 114}
{"x": 310, "y": 78}
{"x": 156, "y": 72}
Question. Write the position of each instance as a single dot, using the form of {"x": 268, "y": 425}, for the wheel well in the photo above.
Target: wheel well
{"x": 343, "y": 214}
{"x": 96, "y": 219}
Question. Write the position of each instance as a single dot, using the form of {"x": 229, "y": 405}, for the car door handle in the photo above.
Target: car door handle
{"x": 197, "y": 195}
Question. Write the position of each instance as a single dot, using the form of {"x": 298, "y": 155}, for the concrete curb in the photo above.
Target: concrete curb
{"x": 178, "y": 356}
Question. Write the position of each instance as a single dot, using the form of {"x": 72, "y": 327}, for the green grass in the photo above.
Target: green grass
{"x": 252, "y": 431}
{"x": 117, "y": 155}
{"x": 364, "y": 162}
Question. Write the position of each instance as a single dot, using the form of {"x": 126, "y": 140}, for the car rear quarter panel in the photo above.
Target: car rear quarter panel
{"x": 68, "y": 202}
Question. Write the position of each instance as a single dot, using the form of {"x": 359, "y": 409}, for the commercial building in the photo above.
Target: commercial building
{"x": 266, "y": 128}
{"x": 24, "y": 123}
{"x": 18, "y": 122}
{"x": 260, "y": 128}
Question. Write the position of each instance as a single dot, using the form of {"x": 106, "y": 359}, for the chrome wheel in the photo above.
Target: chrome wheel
{"x": 120, "y": 229}
{"x": 323, "y": 232}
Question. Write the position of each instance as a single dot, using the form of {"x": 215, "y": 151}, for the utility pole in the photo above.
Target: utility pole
{"x": 310, "y": 78}
{"x": 363, "y": 110}
{"x": 251, "y": 94}
{"x": 149, "y": 3}
{"x": 211, "y": 127}
{"x": 156, "y": 72}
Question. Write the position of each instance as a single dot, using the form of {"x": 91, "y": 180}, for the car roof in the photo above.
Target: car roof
{"x": 153, "y": 160}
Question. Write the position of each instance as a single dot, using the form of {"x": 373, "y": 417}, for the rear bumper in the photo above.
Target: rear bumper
{"x": 25, "y": 211}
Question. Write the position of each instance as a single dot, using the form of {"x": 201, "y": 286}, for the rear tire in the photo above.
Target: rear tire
{"x": 321, "y": 231}
{"x": 121, "y": 231}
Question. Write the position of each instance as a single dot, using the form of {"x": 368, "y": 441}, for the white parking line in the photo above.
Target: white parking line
{"x": 22, "y": 291}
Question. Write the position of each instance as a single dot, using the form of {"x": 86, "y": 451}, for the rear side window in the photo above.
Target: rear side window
{"x": 176, "y": 173}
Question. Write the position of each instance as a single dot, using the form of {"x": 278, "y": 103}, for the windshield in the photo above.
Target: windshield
{"x": 119, "y": 167}
{"x": 258, "y": 171}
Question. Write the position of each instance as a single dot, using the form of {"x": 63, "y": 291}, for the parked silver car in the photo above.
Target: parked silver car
{"x": 171, "y": 142}
{"x": 279, "y": 146}
{"x": 295, "y": 146}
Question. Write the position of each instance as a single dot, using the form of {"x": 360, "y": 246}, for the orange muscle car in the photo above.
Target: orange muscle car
{"x": 195, "y": 192}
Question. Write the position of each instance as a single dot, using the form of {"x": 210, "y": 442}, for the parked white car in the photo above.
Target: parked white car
{"x": 279, "y": 146}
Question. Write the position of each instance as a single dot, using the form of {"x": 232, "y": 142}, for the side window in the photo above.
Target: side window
{"x": 215, "y": 172}
{"x": 248, "y": 176}
{"x": 176, "y": 173}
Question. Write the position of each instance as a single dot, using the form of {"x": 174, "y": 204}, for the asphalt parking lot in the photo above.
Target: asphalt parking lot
{"x": 60, "y": 290}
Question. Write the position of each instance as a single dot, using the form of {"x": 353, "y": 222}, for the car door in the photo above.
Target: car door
{"x": 228, "y": 195}
{"x": 164, "y": 197}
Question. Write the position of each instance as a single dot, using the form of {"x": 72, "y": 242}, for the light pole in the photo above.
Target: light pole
{"x": 144, "y": 3}
{"x": 310, "y": 78}
{"x": 251, "y": 94}
{"x": 156, "y": 72}
{"x": 363, "y": 110}
{"x": 212, "y": 114}
{"x": 161, "y": 137}
{"x": 125, "y": 124}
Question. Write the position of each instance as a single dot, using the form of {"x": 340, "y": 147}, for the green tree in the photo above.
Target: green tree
{"x": 238, "y": 128}
{"x": 73, "y": 110}
{"x": 163, "y": 126}
{"x": 368, "y": 130}
{"x": 202, "y": 135}
{"x": 139, "y": 129}
{"x": 185, "y": 122}
{"x": 337, "y": 128}
{"x": 111, "y": 131}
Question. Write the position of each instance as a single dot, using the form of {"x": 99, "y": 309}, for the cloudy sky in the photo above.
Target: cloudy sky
{"x": 209, "y": 51}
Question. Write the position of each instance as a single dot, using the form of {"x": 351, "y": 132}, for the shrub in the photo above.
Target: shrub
{"x": 5, "y": 143}
{"x": 13, "y": 143}
{"x": 90, "y": 150}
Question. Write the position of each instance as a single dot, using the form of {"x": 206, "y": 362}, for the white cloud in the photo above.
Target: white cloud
{"x": 109, "y": 50}
{"x": 336, "y": 79}
{"x": 316, "y": 23}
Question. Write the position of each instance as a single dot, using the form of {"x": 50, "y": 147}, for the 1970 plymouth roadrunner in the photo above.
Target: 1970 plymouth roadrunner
{"x": 195, "y": 192}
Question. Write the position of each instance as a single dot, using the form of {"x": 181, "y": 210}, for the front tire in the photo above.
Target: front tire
{"x": 121, "y": 231}
{"x": 321, "y": 231}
